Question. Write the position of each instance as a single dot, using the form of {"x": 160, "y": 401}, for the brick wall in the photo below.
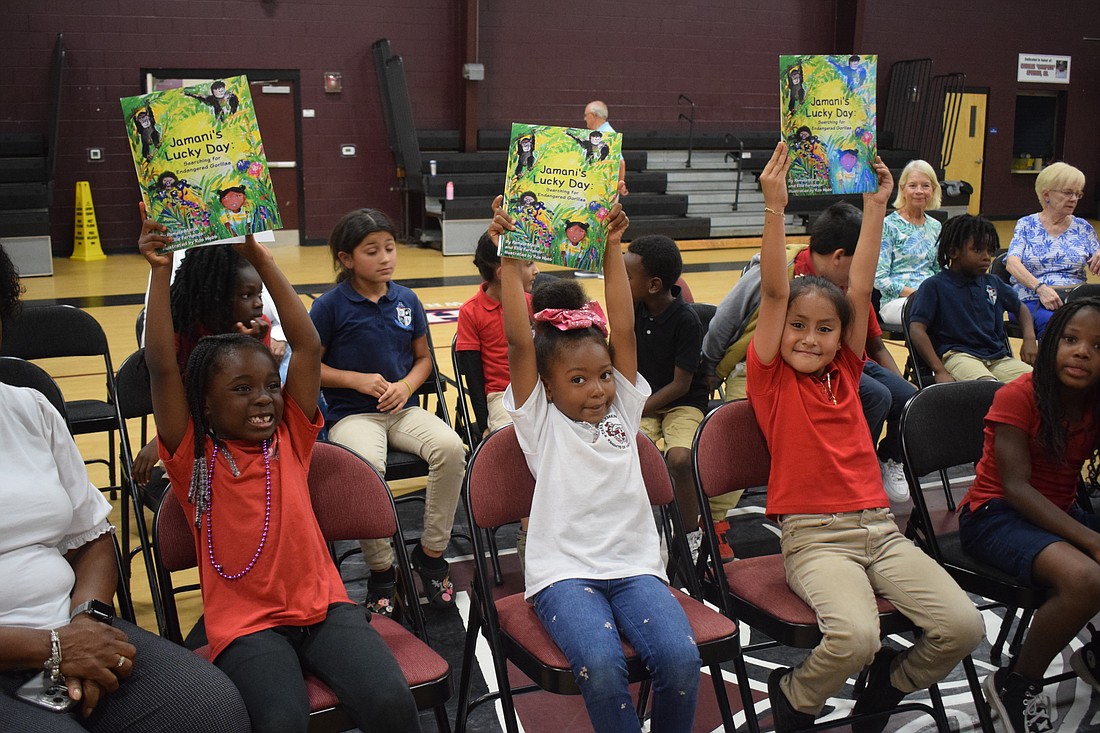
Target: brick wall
{"x": 543, "y": 62}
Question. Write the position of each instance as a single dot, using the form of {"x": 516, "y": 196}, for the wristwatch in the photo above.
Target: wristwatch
{"x": 98, "y": 610}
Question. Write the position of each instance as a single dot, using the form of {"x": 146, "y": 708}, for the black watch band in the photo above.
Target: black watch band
{"x": 98, "y": 610}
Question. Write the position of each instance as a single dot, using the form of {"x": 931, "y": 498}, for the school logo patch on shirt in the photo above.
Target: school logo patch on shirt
{"x": 991, "y": 293}
{"x": 404, "y": 315}
{"x": 612, "y": 429}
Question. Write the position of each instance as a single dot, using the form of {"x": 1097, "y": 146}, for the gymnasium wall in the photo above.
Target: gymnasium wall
{"x": 543, "y": 62}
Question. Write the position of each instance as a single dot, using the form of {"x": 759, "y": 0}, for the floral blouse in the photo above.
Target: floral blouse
{"x": 907, "y": 255}
{"x": 1056, "y": 261}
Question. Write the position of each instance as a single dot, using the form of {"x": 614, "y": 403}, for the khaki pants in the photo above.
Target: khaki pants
{"x": 411, "y": 430}
{"x": 498, "y": 416}
{"x": 837, "y": 563}
{"x": 967, "y": 368}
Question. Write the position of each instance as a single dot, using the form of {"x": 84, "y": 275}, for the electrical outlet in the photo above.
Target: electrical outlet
{"x": 95, "y": 155}
{"x": 347, "y": 151}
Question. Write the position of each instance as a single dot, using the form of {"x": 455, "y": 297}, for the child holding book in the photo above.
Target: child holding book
{"x": 237, "y": 447}
{"x": 594, "y": 567}
{"x": 840, "y": 544}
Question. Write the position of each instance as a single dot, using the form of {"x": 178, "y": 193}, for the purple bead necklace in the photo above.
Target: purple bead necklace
{"x": 210, "y": 517}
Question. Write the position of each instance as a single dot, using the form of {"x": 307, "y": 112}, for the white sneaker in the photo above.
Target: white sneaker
{"x": 894, "y": 481}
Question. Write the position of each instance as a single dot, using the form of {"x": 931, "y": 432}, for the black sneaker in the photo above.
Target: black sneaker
{"x": 1021, "y": 706}
{"x": 382, "y": 597}
{"x": 784, "y": 717}
{"x": 878, "y": 694}
{"x": 437, "y": 580}
{"x": 1086, "y": 660}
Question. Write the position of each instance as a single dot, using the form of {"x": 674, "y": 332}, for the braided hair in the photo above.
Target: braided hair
{"x": 550, "y": 342}
{"x": 203, "y": 290}
{"x": 205, "y": 359}
{"x": 10, "y": 288}
{"x": 962, "y": 229}
{"x": 1052, "y": 419}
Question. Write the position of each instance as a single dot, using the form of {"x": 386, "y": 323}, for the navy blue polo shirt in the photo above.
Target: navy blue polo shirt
{"x": 965, "y": 314}
{"x": 363, "y": 336}
{"x": 669, "y": 340}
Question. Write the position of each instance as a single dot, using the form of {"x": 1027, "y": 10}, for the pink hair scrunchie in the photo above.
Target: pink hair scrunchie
{"x": 565, "y": 319}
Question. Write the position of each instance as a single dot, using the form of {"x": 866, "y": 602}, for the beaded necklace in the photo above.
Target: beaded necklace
{"x": 209, "y": 502}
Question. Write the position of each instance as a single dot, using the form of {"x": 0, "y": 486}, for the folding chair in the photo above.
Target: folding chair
{"x": 53, "y": 331}
{"x": 351, "y": 501}
{"x": 730, "y": 454}
{"x": 999, "y": 269}
{"x": 498, "y": 489}
{"x": 20, "y": 373}
{"x": 916, "y": 368}
{"x": 943, "y": 426}
{"x": 135, "y": 401}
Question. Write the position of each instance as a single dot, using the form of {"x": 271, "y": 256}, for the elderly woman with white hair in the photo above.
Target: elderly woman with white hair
{"x": 907, "y": 255}
{"x": 1050, "y": 250}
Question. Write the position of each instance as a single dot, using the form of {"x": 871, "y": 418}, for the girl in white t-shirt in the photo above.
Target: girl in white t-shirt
{"x": 593, "y": 566}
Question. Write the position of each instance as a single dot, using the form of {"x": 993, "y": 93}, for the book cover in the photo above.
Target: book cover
{"x": 560, "y": 186}
{"x": 200, "y": 161}
{"x": 827, "y": 116}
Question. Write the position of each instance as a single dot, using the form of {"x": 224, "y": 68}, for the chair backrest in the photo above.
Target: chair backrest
{"x": 943, "y": 425}
{"x": 922, "y": 373}
{"x": 998, "y": 268}
{"x": 705, "y": 312}
{"x": 498, "y": 483}
{"x": 350, "y": 500}
{"x": 470, "y": 381}
{"x": 1087, "y": 290}
{"x": 730, "y": 453}
{"x": 49, "y": 331}
{"x": 135, "y": 398}
{"x": 20, "y": 373}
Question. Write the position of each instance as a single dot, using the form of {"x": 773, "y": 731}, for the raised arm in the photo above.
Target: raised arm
{"x": 303, "y": 378}
{"x": 169, "y": 398}
{"x": 523, "y": 371}
{"x": 862, "y": 277}
{"x": 774, "y": 285}
{"x": 616, "y": 293}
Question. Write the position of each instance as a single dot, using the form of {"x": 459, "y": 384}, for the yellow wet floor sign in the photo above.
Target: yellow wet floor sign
{"x": 86, "y": 247}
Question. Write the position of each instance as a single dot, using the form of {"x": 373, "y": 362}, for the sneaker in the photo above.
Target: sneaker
{"x": 878, "y": 694}
{"x": 586, "y": 274}
{"x": 381, "y": 598}
{"x": 894, "y": 481}
{"x": 437, "y": 581}
{"x": 721, "y": 531}
{"x": 1086, "y": 660}
{"x": 784, "y": 717}
{"x": 1021, "y": 706}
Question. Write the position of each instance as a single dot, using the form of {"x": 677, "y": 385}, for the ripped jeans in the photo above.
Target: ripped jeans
{"x": 585, "y": 618}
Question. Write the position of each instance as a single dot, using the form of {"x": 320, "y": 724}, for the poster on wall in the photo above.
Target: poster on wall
{"x": 560, "y": 186}
{"x": 827, "y": 117}
{"x": 200, "y": 162}
{"x": 1042, "y": 68}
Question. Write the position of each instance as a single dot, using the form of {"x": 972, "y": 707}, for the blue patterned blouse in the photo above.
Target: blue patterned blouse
{"x": 1056, "y": 261}
{"x": 907, "y": 256}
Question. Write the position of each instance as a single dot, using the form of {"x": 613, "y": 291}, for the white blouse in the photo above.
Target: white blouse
{"x": 47, "y": 507}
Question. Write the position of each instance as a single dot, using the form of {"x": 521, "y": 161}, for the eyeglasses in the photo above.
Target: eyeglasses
{"x": 1073, "y": 194}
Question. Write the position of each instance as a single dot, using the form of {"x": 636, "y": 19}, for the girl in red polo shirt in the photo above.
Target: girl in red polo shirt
{"x": 1021, "y": 514}
{"x": 237, "y": 447}
{"x": 840, "y": 544}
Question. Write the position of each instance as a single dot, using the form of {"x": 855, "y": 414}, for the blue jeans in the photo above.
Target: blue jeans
{"x": 884, "y": 395}
{"x": 585, "y": 618}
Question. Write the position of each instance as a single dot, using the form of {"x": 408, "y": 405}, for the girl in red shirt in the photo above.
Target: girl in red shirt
{"x": 840, "y": 544}
{"x": 237, "y": 445}
{"x": 1021, "y": 514}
